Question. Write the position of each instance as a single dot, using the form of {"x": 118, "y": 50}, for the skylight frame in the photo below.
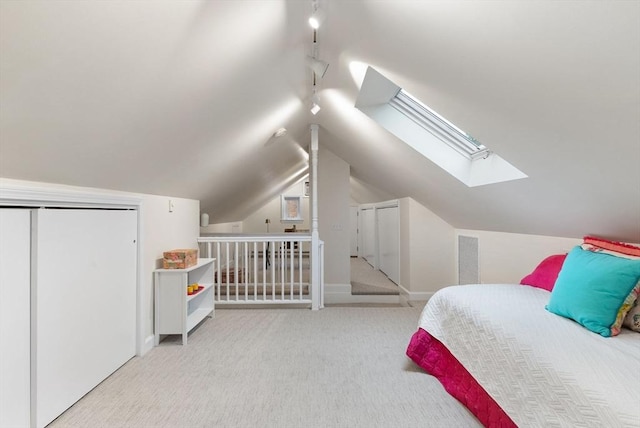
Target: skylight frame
{"x": 437, "y": 139}
{"x": 437, "y": 125}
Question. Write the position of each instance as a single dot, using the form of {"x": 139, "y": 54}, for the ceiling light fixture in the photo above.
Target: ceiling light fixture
{"x": 315, "y": 103}
{"x": 280, "y": 132}
{"x": 318, "y": 66}
{"x": 315, "y": 20}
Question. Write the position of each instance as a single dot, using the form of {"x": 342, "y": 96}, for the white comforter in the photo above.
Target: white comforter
{"x": 542, "y": 369}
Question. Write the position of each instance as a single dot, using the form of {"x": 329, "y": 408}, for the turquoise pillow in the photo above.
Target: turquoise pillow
{"x": 591, "y": 288}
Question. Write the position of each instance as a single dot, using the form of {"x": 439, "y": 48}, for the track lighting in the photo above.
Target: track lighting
{"x": 280, "y": 132}
{"x": 315, "y": 103}
{"x": 319, "y": 67}
{"x": 315, "y": 20}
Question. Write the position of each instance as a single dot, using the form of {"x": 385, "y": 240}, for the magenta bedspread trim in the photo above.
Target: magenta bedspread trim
{"x": 427, "y": 352}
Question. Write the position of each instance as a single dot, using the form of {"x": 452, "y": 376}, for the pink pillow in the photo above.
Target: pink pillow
{"x": 545, "y": 274}
{"x": 618, "y": 247}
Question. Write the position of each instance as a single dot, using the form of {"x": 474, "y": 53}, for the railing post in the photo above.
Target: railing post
{"x": 321, "y": 244}
{"x": 316, "y": 283}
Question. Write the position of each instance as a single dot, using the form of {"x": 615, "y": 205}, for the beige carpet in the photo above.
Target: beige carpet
{"x": 337, "y": 367}
{"x": 365, "y": 280}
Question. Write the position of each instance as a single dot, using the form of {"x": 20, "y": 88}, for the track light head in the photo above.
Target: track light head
{"x": 315, "y": 102}
{"x": 280, "y": 132}
{"x": 315, "y": 20}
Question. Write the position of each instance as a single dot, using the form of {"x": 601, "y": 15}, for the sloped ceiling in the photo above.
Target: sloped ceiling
{"x": 182, "y": 98}
{"x": 176, "y": 98}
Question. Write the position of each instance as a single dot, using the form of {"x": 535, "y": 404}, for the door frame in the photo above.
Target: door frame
{"x": 393, "y": 203}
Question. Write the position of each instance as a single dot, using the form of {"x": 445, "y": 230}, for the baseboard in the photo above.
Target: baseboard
{"x": 415, "y": 296}
{"x": 341, "y": 293}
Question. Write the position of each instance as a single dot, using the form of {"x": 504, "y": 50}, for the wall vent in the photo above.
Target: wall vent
{"x": 468, "y": 260}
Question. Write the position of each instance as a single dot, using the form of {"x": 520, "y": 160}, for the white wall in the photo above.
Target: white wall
{"x": 427, "y": 250}
{"x": 508, "y": 257}
{"x": 333, "y": 216}
{"x": 160, "y": 230}
{"x": 231, "y": 227}
{"x": 255, "y": 223}
{"x": 163, "y": 231}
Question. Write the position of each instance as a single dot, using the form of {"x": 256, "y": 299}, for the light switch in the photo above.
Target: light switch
{"x": 172, "y": 205}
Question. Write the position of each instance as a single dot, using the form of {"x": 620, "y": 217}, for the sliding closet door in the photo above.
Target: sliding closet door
{"x": 15, "y": 268}
{"x": 389, "y": 242}
{"x": 83, "y": 303}
{"x": 353, "y": 231}
{"x": 368, "y": 234}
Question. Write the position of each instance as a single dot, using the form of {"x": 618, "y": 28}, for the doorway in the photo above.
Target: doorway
{"x": 375, "y": 267}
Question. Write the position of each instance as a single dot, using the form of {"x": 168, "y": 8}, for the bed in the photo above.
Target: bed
{"x": 539, "y": 369}
{"x": 512, "y": 362}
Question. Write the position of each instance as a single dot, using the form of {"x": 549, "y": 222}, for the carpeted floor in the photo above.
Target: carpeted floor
{"x": 365, "y": 280}
{"x": 337, "y": 367}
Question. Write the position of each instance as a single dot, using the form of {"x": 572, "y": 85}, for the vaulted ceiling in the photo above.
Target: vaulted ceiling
{"x": 182, "y": 98}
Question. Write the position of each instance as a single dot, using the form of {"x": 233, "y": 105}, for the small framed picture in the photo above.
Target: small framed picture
{"x": 305, "y": 188}
{"x": 291, "y": 208}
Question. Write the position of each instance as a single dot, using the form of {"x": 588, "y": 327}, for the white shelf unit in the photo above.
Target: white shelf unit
{"x": 175, "y": 311}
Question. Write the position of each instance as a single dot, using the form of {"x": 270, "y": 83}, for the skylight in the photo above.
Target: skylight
{"x": 438, "y": 125}
{"x": 430, "y": 134}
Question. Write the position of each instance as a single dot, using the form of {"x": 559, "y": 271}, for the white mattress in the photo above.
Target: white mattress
{"x": 542, "y": 369}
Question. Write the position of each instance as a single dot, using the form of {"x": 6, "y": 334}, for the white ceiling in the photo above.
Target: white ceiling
{"x": 182, "y": 98}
